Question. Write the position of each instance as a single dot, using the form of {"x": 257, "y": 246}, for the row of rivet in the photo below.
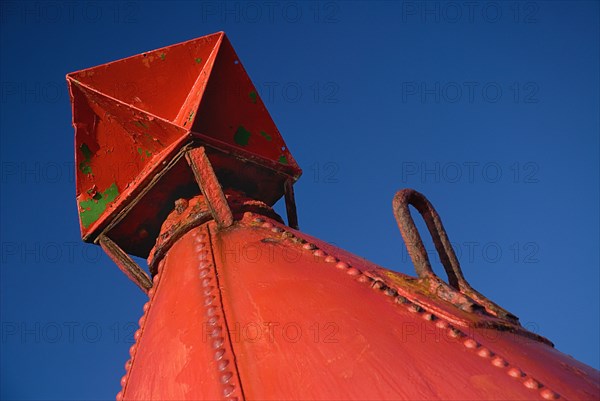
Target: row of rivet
{"x": 452, "y": 331}
{"x": 213, "y": 315}
{"x": 138, "y": 333}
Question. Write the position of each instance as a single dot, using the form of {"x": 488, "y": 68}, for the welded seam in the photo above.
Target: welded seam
{"x": 217, "y": 326}
{"x": 387, "y": 289}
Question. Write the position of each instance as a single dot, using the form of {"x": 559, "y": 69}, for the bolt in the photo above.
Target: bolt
{"x": 180, "y": 205}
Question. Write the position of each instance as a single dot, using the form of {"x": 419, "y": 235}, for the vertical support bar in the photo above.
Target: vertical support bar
{"x": 125, "y": 263}
{"x": 210, "y": 186}
{"x": 290, "y": 204}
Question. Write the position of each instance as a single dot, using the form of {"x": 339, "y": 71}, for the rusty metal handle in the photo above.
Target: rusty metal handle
{"x": 403, "y": 199}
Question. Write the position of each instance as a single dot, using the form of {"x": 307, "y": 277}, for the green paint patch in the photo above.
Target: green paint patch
{"x": 84, "y": 166}
{"x": 198, "y": 60}
{"x": 163, "y": 56}
{"x": 265, "y": 135}
{"x": 141, "y": 124}
{"x": 241, "y": 136}
{"x": 253, "y": 96}
{"x": 143, "y": 153}
{"x": 91, "y": 210}
{"x": 283, "y": 159}
{"x": 190, "y": 116}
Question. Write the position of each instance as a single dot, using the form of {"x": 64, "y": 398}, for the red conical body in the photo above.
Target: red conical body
{"x": 179, "y": 161}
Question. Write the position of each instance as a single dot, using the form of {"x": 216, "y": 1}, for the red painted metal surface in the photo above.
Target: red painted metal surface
{"x": 293, "y": 317}
{"x": 133, "y": 117}
{"x": 244, "y": 307}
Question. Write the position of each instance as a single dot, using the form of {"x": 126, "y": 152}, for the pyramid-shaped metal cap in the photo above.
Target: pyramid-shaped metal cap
{"x": 132, "y": 116}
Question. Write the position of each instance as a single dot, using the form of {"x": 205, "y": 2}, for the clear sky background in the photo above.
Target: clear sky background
{"x": 491, "y": 110}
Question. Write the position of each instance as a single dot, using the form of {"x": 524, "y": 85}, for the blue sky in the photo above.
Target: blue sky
{"x": 490, "y": 109}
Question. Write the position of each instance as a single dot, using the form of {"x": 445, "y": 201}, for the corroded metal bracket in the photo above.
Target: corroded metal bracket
{"x": 126, "y": 264}
{"x": 458, "y": 290}
{"x": 210, "y": 186}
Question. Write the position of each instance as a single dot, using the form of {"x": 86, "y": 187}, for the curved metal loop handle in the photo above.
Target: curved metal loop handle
{"x": 402, "y": 200}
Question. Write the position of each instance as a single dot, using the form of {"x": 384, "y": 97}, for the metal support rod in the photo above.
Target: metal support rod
{"x": 125, "y": 263}
{"x": 290, "y": 204}
{"x": 210, "y": 186}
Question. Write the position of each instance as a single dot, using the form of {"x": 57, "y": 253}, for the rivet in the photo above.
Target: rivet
{"x": 123, "y": 380}
{"x": 549, "y": 394}
{"x": 319, "y": 252}
{"x": 308, "y": 246}
{"x": 363, "y": 279}
{"x": 204, "y": 272}
{"x": 377, "y": 284}
{"x": 225, "y": 377}
{"x": 146, "y": 307}
{"x": 156, "y": 278}
{"x": 206, "y": 282}
{"x": 428, "y": 316}
{"x": 277, "y": 230}
{"x": 208, "y": 290}
{"x": 200, "y": 247}
{"x": 401, "y": 300}
{"x": 222, "y": 365}
{"x": 216, "y": 332}
{"x": 209, "y": 300}
{"x": 353, "y": 271}
{"x": 119, "y": 396}
{"x": 219, "y": 354}
{"x": 137, "y": 334}
{"x": 228, "y": 390}
{"x": 415, "y": 308}
{"x": 217, "y": 343}
{"x": 132, "y": 349}
{"x": 515, "y": 372}
{"x": 203, "y": 255}
{"x": 330, "y": 259}
{"x": 442, "y": 324}
{"x": 259, "y": 220}
{"x": 267, "y": 225}
{"x": 142, "y": 320}
{"x": 470, "y": 343}
{"x": 390, "y": 292}
{"x": 531, "y": 383}
{"x": 151, "y": 292}
{"x": 212, "y": 310}
{"x": 341, "y": 265}
{"x": 454, "y": 333}
{"x": 499, "y": 362}
{"x": 484, "y": 353}
{"x": 213, "y": 320}
{"x": 128, "y": 365}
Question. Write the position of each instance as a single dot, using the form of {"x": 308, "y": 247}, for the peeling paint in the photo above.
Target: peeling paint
{"x": 91, "y": 209}
{"x": 84, "y": 166}
{"x": 242, "y": 136}
{"x": 253, "y": 96}
{"x": 163, "y": 56}
{"x": 283, "y": 159}
{"x": 265, "y": 135}
{"x": 141, "y": 124}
